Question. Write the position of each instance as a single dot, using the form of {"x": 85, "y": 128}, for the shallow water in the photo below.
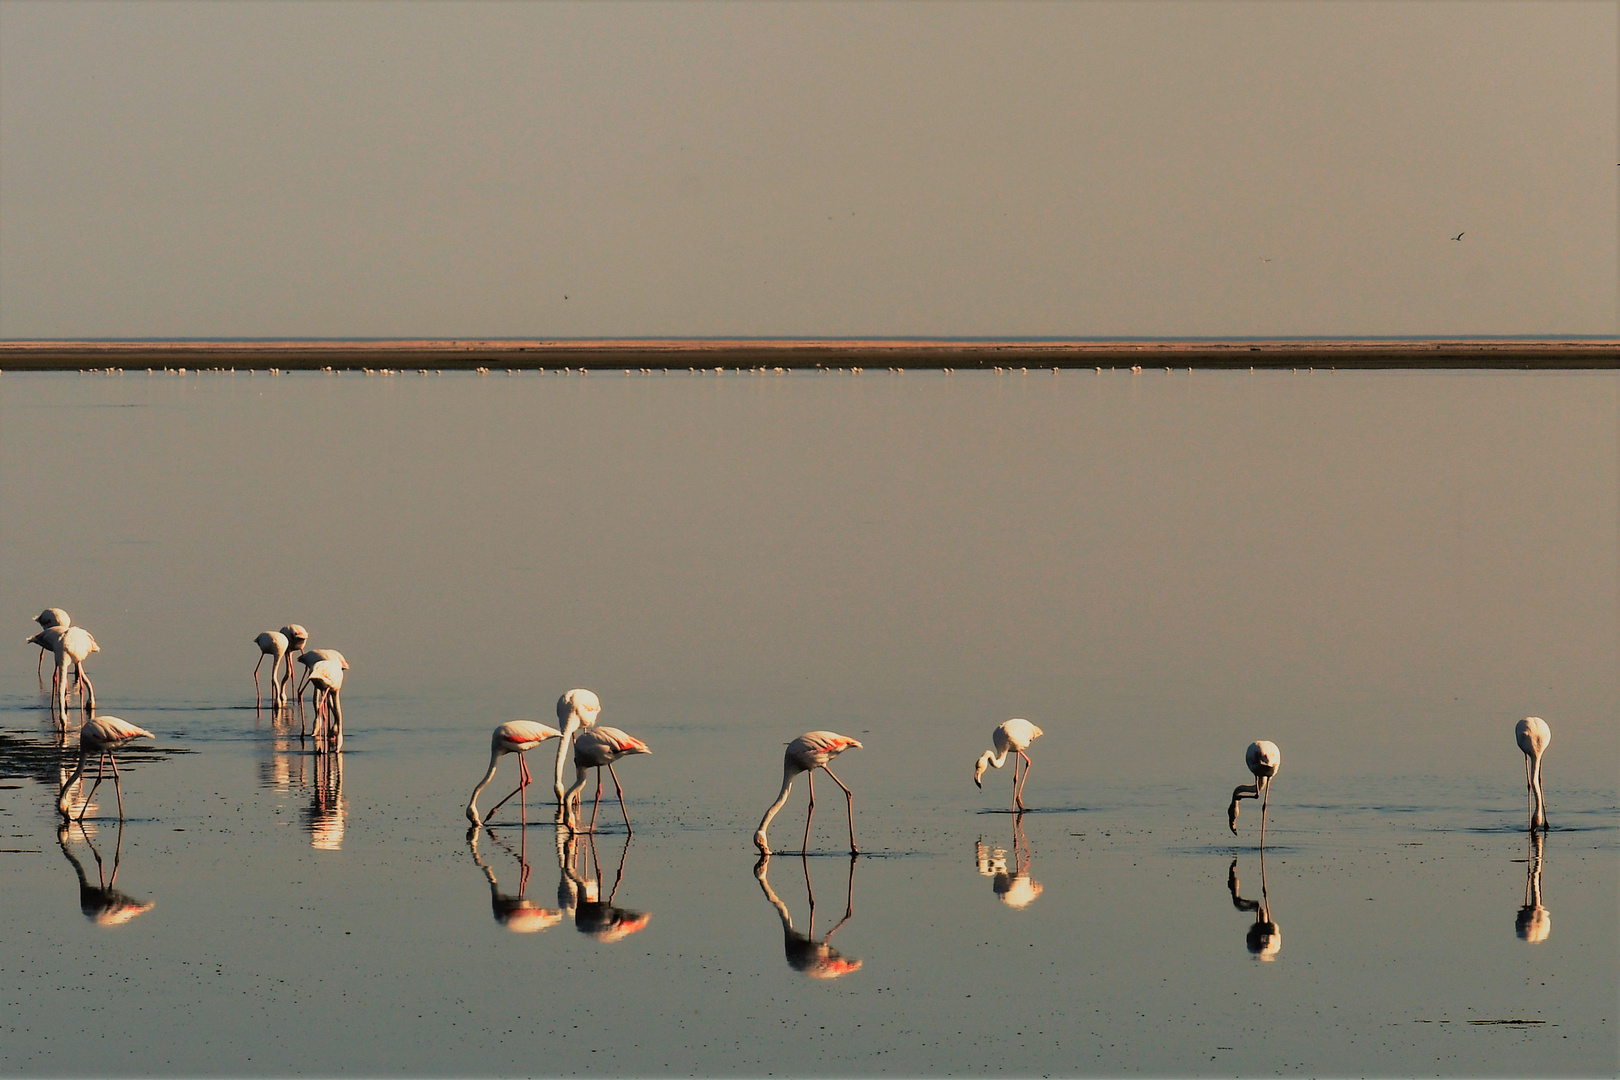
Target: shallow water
{"x": 1379, "y": 571}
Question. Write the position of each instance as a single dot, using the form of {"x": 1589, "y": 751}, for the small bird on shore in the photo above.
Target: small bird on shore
{"x": 1459, "y": 236}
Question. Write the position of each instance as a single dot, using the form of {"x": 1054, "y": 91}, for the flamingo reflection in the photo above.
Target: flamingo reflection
{"x": 579, "y": 890}
{"x": 516, "y": 913}
{"x": 326, "y": 811}
{"x": 814, "y": 957}
{"x": 101, "y": 903}
{"x": 1264, "y": 938}
{"x": 1016, "y": 889}
{"x": 1534, "y": 922}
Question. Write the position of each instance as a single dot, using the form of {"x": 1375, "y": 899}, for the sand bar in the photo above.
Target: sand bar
{"x": 469, "y": 354}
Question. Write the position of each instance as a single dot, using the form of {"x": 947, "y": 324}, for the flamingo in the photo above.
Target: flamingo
{"x": 1533, "y": 735}
{"x": 1263, "y": 759}
{"x": 310, "y": 657}
{"x": 52, "y": 618}
{"x": 1009, "y": 736}
{"x": 806, "y": 754}
{"x": 576, "y": 709}
{"x": 75, "y": 644}
{"x": 512, "y": 737}
{"x": 46, "y": 639}
{"x": 297, "y": 637}
{"x": 101, "y": 736}
{"x": 270, "y": 643}
{"x": 594, "y": 748}
{"x": 328, "y": 679}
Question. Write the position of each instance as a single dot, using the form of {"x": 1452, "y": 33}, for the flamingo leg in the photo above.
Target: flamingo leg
{"x": 1265, "y": 802}
{"x": 101, "y": 768}
{"x": 849, "y": 797}
{"x": 597, "y": 805}
{"x": 1025, "y": 780}
{"x": 810, "y": 779}
{"x": 117, "y": 787}
{"x": 258, "y": 695}
{"x": 39, "y": 668}
{"x": 628, "y": 831}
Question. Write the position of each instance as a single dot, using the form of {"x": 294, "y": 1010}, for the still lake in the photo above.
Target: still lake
{"x": 1379, "y": 571}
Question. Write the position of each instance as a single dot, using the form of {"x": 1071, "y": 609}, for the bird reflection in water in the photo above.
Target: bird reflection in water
{"x": 1264, "y": 939}
{"x": 101, "y": 903}
{"x": 326, "y": 811}
{"x": 287, "y": 764}
{"x": 805, "y": 953}
{"x": 1016, "y": 889}
{"x": 74, "y": 796}
{"x": 516, "y": 913}
{"x": 579, "y": 889}
{"x": 1534, "y": 922}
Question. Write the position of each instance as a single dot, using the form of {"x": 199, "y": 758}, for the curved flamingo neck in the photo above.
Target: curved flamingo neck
{"x": 789, "y": 771}
{"x": 472, "y": 802}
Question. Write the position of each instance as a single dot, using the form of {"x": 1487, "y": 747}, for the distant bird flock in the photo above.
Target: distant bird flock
{"x": 596, "y": 747}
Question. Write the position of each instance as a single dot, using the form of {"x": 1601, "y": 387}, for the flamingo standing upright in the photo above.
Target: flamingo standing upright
{"x": 271, "y": 643}
{"x": 512, "y": 737}
{"x": 101, "y": 737}
{"x": 327, "y": 676}
{"x": 75, "y": 644}
{"x": 807, "y": 753}
{"x": 1533, "y": 735}
{"x": 1263, "y": 759}
{"x": 52, "y": 618}
{"x": 1009, "y": 736}
{"x": 595, "y": 748}
{"x": 297, "y": 637}
{"x": 576, "y": 709}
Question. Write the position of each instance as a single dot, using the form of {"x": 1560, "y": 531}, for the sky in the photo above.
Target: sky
{"x": 570, "y": 170}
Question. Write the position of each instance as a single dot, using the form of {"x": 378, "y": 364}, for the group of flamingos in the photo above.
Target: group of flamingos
{"x": 596, "y": 747}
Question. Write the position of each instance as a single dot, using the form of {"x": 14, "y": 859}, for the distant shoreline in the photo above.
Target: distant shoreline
{"x": 470, "y": 354}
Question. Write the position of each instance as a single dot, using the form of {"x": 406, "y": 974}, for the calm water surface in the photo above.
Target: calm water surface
{"x": 1379, "y": 571}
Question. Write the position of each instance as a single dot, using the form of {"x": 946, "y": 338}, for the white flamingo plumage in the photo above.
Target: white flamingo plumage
{"x": 309, "y": 658}
{"x": 74, "y": 645}
{"x": 52, "y": 618}
{"x": 101, "y": 737}
{"x": 1532, "y": 734}
{"x": 1008, "y": 737}
{"x": 1263, "y": 759}
{"x": 576, "y": 709}
{"x": 327, "y": 677}
{"x": 807, "y": 753}
{"x": 272, "y": 643}
{"x": 598, "y": 748}
{"x": 297, "y": 637}
{"x": 512, "y": 737}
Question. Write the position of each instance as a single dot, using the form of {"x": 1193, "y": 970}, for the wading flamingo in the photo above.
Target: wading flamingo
{"x": 576, "y": 709}
{"x": 328, "y": 679}
{"x": 297, "y": 637}
{"x": 1263, "y": 759}
{"x": 595, "y": 748}
{"x": 806, "y": 754}
{"x": 271, "y": 643}
{"x": 1009, "y": 736}
{"x": 309, "y": 658}
{"x": 101, "y": 737}
{"x": 512, "y": 737}
{"x": 75, "y": 644}
{"x": 1533, "y": 735}
{"x": 52, "y": 618}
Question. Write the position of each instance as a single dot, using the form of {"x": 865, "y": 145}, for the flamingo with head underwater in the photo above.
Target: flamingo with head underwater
{"x": 1533, "y": 735}
{"x": 101, "y": 737}
{"x": 272, "y": 643}
{"x": 576, "y": 709}
{"x": 52, "y": 618}
{"x": 596, "y": 748}
{"x": 1009, "y": 736}
{"x": 809, "y": 752}
{"x": 1263, "y": 759}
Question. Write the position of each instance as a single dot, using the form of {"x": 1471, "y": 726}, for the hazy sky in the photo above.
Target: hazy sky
{"x": 641, "y": 169}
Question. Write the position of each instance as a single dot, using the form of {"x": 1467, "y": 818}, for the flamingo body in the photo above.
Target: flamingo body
{"x": 297, "y": 637}
{"x": 512, "y": 737}
{"x": 101, "y": 737}
{"x": 1263, "y": 759}
{"x": 598, "y": 748}
{"x": 327, "y": 677}
{"x": 271, "y": 643}
{"x": 74, "y": 644}
{"x": 1532, "y": 734}
{"x": 1008, "y": 737}
{"x": 810, "y": 751}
